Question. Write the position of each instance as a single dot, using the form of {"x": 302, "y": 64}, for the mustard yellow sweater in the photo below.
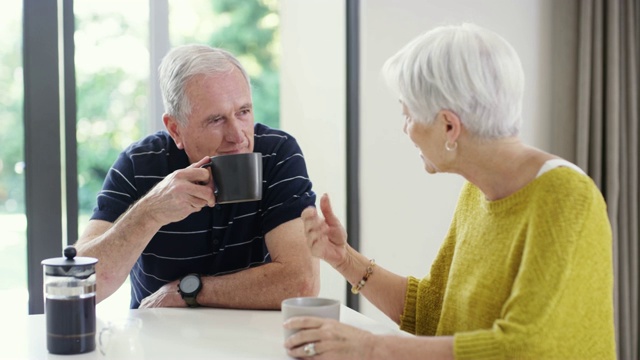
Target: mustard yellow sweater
{"x": 529, "y": 276}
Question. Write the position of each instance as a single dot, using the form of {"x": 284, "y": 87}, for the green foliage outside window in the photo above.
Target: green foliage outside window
{"x": 249, "y": 30}
{"x": 112, "y": 77}
{"x": 11, "y": 105}
{"x": 112, "y": 103}
{"x": 252, "y": 35}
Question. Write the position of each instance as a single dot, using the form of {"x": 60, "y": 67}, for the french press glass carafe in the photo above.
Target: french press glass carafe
{"x": 70, "y": 303}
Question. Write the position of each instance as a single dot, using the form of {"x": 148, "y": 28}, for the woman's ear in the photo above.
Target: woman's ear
{"x": 173, "y": 127}
{"x": 453, "y": 125}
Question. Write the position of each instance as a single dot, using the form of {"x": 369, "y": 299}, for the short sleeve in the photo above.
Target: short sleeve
{"x": 287, "y": 188}
{"x": 118, "y": 191}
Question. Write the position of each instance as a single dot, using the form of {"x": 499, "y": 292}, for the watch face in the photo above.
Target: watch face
{"x": 189, "y": 284}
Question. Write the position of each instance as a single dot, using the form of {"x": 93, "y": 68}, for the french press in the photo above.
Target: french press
{"x": 70, "y": 303}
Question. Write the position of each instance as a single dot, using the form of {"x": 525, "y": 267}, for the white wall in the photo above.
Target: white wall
{"x": 405, "y": 212}
{"x": 313, "y": 108}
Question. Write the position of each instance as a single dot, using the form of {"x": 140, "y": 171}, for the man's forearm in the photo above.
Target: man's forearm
{"x": 117, "y": 246}
{"x": 262, "y": 287}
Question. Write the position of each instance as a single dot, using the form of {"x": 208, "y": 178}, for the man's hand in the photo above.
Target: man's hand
{"x": 180, "y": 194}
{"x": 166, "y": 296}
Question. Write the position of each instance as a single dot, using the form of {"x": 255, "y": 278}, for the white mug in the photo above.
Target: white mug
{"x": 309, "y": 306}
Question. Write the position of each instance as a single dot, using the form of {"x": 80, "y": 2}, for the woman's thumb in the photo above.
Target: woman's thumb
{"x": 327, "y": 211}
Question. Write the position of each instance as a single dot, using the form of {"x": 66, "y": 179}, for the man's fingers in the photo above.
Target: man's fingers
{"x": 199, "y": 176}
{"x": 308, "y": 213}
{"x": 204, "y": 160}
{"x": 199, "y": 203}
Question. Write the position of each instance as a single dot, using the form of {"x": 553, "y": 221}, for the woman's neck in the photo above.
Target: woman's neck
{"x": 500, "y": 167}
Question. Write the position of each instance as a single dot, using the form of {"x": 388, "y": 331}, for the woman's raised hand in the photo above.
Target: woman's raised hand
{"x": 326, "y": 236}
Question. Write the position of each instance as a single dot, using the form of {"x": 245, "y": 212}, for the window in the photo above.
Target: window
{"x": 112, "y": 76}
{"x": 13, "y": 224}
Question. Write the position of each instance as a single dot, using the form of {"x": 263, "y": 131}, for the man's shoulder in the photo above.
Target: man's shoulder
{"x": 154, "y": 143}
{"x": 269, "y": 140}
{"x": 269, "y": 134}
{"x": 154, "y": 155}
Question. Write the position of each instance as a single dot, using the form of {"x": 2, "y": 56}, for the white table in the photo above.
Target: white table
{"x": 170, "y": 333}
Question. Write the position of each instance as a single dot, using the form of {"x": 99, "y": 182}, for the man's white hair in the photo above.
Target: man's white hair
{"x": 184, "y": 62}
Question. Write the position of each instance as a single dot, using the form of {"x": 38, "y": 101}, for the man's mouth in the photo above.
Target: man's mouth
{"x": 243, "y": 149}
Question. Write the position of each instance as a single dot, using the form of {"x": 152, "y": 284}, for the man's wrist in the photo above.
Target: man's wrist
{"x": 140, "y": 214}
{"x": 189, "y": 287}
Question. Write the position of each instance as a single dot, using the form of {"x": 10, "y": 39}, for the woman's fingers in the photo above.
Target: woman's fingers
{"x": 327, "y": 211}
{"x": 311, "y": 326}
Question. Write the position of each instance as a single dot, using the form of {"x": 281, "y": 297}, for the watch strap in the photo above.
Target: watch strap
{"x": 190, "y": 300}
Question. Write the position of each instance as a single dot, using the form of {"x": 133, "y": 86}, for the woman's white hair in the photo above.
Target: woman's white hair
{"x": 465, "y": 69}
{"x": 184, "y": 62}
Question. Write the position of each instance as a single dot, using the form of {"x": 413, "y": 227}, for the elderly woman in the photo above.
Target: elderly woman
{"x": 525, "y": 270}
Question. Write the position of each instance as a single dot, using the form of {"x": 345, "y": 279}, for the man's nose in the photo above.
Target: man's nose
{"x": 233, "y": 131}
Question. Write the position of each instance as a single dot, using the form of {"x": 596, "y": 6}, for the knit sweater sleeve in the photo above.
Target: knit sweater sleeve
{"x": 424, "y": 298}
{"x": 408, "y": 318}
{"x": 560, "y": 303}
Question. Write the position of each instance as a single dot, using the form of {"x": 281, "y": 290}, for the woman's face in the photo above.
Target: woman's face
{"x": 427, "y": 139}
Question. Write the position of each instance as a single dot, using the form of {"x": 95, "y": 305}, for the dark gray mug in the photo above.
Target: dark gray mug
{"x": 237, "y": 177}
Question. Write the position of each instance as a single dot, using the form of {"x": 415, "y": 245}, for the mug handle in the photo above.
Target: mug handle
{"x": 100, "y": 342}
{"x": 215, "y": 188}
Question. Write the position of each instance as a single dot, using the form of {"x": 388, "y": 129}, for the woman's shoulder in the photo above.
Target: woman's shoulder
{"x": 556, "y": 163}
{"x": 564, "y": 187}
{"x": 567, "y": 178}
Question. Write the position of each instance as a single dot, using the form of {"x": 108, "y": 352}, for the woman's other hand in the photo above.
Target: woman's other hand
{"x": 326, "y": 236}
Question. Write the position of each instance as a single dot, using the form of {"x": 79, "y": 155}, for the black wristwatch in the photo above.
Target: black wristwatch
{"x": 189, "y": 287}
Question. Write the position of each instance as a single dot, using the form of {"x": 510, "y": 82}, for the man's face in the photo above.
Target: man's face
{"x": 221, "y": 120}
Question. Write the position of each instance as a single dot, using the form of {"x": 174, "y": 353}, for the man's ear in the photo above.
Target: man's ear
{"x": 173, "y": 127}
{"x": 453, "y": 125}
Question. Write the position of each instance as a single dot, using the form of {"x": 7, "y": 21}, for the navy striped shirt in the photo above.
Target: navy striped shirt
{"x": 213, "y": 241}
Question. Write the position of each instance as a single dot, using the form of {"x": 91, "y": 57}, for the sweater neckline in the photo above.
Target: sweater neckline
{"x": 517, "y": 199}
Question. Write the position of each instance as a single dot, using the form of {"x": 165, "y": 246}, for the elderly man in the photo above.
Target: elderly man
{"x": 157, "y": 219}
